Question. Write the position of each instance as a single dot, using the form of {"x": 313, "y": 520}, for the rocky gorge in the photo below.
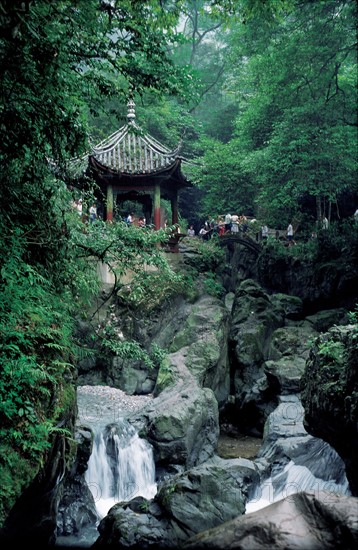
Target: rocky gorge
{"x": 262, "y": 360}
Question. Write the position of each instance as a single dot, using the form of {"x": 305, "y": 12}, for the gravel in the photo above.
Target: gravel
{"x": 99, "y": 405}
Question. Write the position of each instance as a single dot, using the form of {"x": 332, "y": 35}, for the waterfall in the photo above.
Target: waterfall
{"x": 293, "y": 479}
{"x": 297, "y": 461}
{"x": 121, "y": 467}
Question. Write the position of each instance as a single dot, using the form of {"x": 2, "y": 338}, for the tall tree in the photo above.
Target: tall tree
{"x": 299, "y": 128}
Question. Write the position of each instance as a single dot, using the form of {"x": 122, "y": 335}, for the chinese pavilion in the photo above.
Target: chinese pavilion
{"x": 132, "y": 166}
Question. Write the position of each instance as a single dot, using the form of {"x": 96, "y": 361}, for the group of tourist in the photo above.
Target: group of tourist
{"x": 138, "y": 222}
{"x": 324, "y": 224}
{"x": 233, "y": 223}
{"x": 91, "y": 215}
{"x": 230, "y": 223}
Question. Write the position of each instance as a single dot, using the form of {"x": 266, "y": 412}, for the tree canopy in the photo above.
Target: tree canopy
{"x": 291, "y": 82}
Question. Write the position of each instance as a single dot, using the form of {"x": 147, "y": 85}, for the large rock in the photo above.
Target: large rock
{"x": 186, "y": 504}
{"x": 292, "y": 459}
{"x": 182, "y": 422}
{"x": 208, "y": 494}
{"x": 203, "y": 337}
{"x": 288, "y": 350}
{"x": 323, "y": 320}
{"x": 77, "y": 510}
{"x": 284, "y": 375}
{"x": 301, "y": 521}
{"x": 254, "y": 318}
{"x": 330, "y": 395}
{"x": 264, "y": 336}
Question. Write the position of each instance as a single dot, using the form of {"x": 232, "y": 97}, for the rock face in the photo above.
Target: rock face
{"x": 269, "y": 342}
{"x": 186, "y": 504}
{"x": 331, "y": 284}
{"x": 77, "y": 507}
{"x": 330, "y": 395}
{"x": 182, "y": 422}
{"x": 301, "y": 521}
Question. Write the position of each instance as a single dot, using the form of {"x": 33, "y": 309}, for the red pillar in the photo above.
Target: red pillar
{"x": 174, "y": 205}
{"x": 157, "y": 206}
{"x": 109, "y": 215}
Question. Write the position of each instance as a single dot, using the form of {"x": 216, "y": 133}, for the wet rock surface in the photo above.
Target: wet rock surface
{"x": 302, "y": 521}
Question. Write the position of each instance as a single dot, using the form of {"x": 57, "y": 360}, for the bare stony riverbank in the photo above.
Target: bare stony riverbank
{"x": 99, "y": 405}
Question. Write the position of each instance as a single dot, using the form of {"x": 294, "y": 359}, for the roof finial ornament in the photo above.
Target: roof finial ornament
{"x": 131, "y": 111}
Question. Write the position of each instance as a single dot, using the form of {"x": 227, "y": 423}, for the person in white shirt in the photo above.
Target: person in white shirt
{"x": 290, "y": 232}
{"x": 227, "y": 222}
{"x": 202, "y": 232}
{"x": 264, "y": 231}
{"x": 79, "y": 207}
{"x": 93, "y": 212}
{"x": 235, "y": 223}
{"x": 324, "y": 223}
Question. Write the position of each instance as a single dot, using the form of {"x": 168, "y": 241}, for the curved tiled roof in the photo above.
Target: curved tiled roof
{"x": 130, "y": 151}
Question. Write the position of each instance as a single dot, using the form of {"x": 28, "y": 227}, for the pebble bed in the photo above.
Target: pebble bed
{"x": 101, "y": 404}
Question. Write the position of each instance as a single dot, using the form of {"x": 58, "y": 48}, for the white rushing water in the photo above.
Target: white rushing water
{"x": 120, "y": 468}
{"x": 293, "y": 479}
{"x": 314, "y": 466}
{"x": 299, "y": 462}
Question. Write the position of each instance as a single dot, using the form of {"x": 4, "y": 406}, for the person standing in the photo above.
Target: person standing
{"x": 264, "y": 232}
{"x": 79, "y": 207}
{"x": 235, "y": 223}
{"x": 203, "y": 232}
{"x": 227, "y": 223}
{"x": 290, "y": 232}
{"x": 93, "y": 212}
{"x": 221, "y": 226}
{"x": 243, "y": 223}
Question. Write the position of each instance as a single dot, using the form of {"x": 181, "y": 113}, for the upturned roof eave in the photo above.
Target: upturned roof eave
{"x": 95, "y": 163}
{"x": 132, "y": 128}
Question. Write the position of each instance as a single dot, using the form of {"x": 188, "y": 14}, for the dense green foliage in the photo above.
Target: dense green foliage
{"x": 59, "y": 62}
{"x": 286, "y": 128}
